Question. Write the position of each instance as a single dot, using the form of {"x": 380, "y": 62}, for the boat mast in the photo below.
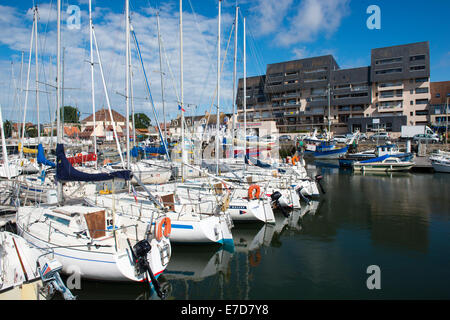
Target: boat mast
{"x": 37, "y": 72}
{"x": 183, "y": 152}
{"x": 127, "y": 75}
{"x": 92, "y": 78}
{"x": 133, "y": 124}
{"x": 161, "y": 73}
{"x": 329, "y": 120}
{"x": 5, "y": 153}
{"x": 27, "y": 87}
{"x": 234, "y": 80}
{"x": 58, "y": 91}
{"x": 245, "y": 100}
{"x": 218, "y": 92}
{"x": 119, "y": 149}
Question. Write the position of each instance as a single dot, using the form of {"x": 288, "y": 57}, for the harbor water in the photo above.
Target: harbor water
{"x": 399, "y": 223}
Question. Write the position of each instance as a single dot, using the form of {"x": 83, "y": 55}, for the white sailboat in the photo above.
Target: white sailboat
{"x": 95, "y": 241}
{"x": 26, "y": 273}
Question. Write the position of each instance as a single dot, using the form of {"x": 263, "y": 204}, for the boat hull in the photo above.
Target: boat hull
{"x": 382, "y": 167}
{"x": 441, "y": 167}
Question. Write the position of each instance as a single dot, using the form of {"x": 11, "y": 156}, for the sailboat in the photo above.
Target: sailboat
{"x": 194, "y": 220}
{"x": 94, "y": 241}
{"x": 26, "y": 273}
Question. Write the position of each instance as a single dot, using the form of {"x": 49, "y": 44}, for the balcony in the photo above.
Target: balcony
{"x": 390, "y": 97}
{"x": 391, "y": 107}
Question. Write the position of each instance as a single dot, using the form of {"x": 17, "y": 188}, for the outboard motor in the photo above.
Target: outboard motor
{"x": 275, "y": 197}
{"x": 52, "y": 280}
{"x": 301, "y": 195}
{"x": 319, "y": 177}
{"x": 139, "y": 253}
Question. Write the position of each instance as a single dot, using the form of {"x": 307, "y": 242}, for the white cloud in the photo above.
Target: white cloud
{"x": 269, "y": 15}
{"x": 200, "y": 54}
{"x": 290, "y": 22}
{"x": 312, "y": 18}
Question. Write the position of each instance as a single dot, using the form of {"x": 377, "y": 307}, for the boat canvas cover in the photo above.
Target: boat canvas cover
{"x": 41, "y": 159}
{"x": 378, "y": 159}
{"x": 65, "y": 171}
{"x": 257, "y": 163}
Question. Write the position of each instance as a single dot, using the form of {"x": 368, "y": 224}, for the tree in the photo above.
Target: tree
{"x": 8, "y": 127}
{"x": 141, "y": 121}
{"x": 70, "y": 114}
{"x": 32, "y": 132}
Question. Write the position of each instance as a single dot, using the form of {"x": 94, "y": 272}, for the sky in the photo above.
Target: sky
{"x": 276, "y": 31}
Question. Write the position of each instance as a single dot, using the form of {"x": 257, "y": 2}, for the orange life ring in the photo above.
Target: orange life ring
{"x": 250, "y": 191}
{"x": 163, "y": 227}
{"x": 255, "y": 258}
{"x": 79, "y": 155}
{"x": 294, "y": 160}
{"x": 106, "y": 161}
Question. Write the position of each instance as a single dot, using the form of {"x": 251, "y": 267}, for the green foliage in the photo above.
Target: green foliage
{"x": 32, "y": 132}
{"x": 70, "y": 114}
{"x": 8, "y": 127}
{"x": 141, "y": 121}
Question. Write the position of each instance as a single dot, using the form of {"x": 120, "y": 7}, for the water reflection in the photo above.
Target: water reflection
{"x": 397, "y": 221}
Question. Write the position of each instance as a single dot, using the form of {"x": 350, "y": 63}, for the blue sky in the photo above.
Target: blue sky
{"x": 277, "y": 30}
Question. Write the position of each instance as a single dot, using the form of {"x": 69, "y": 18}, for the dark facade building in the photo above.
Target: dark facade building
{"x": 315, "y": 93}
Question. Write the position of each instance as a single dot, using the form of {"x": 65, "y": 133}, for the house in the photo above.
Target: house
{"x": 104, "y": 126}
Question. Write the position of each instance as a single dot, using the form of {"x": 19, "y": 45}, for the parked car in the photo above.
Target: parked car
{"x": 362, "y": 136}
{"x": 426, "y": 137}
{"x": 285, "y": 138}
{"x": 268, "y": 138}
{"x": 301, "y": 136}
{"x": 340, "y": 138}
{"x": 380, "y": 136}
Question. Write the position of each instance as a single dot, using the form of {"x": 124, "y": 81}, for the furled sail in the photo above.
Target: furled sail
{"x": 41, "y": 159}
{"x": 65, "y": 171}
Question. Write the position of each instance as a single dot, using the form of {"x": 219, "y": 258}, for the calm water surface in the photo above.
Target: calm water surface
{"x": 399, "y": 222}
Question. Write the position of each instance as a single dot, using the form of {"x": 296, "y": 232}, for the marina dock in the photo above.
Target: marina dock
{"x": 422, "y": 164}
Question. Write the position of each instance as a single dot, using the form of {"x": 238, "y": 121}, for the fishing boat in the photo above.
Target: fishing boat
{"x": 381, "y": 150}
{"x": 324, "y": 150}
{"x": 384, "y": 163}
{"x": 26, "y": 273}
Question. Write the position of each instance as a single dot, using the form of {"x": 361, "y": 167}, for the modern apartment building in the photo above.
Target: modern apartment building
{"x": 439, "y": 103}
{"x": 315, "y": 93}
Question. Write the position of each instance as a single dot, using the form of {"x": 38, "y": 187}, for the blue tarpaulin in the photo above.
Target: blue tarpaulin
{"x": 377, "y": 159}
{"x": 41, "y": 157}
{"x": 65, "y": 171}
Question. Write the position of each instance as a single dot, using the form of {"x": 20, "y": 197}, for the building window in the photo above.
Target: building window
{"x": 421, "y": 101}
{"x": 421, "y": 90}
{"x": 390, "y": 84}
{"x": 416, "y": 68}
{"x": 438, "y": 95}
{"x": 421, "y": 80}
{"x": 390, "y": 105}
{"x": 416, "y": 58}
{"x": 421, "y": 112}
{"x": 411, "y": 113}
{"x": 390, "y": 60}
{"x": 387, "y": 71}
{"x": 411, "y": 102}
